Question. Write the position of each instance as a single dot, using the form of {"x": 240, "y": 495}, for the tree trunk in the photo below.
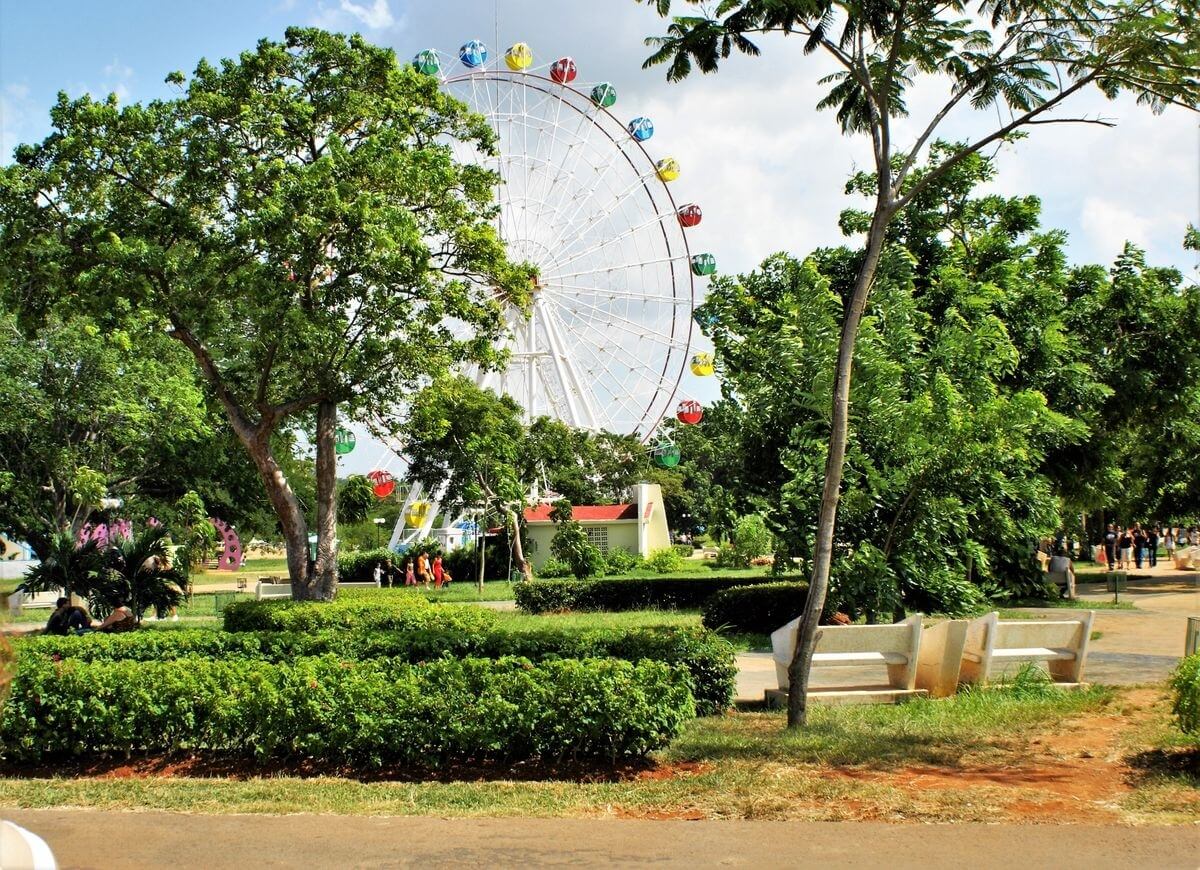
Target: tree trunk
{"x": 482, "y": 532}
{"x": 287, "y": 507}
{"x": 323, "y": 583}
{"x": 806, "y": 635}
{"x": 518, "y": 549}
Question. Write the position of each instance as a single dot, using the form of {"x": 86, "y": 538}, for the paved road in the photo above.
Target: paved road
{"x": 115, "y": 840}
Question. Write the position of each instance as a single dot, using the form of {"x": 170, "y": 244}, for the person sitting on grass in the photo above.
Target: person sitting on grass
{"x": 66, "y": 618}
{"x": 121, "y": 619}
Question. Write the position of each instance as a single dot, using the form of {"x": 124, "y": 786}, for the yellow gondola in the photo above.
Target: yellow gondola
{"x": 416, "y": 514}
{"x": 702, "y": 365}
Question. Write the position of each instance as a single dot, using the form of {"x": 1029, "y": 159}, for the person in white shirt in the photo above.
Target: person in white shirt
{"x": 1062, "y": 567}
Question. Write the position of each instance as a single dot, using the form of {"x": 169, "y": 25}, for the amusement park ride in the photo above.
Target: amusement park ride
{"x": 606, "y": 340}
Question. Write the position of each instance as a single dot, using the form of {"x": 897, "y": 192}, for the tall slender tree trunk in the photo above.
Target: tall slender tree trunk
{"x": 518, "y": 549}
{"x": 323, "y": 584}
{"x": 818, "y": 587}
{"x": 287, "y": 507}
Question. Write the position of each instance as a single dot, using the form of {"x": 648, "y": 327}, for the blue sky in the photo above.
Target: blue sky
{"x": 768, "y": 169}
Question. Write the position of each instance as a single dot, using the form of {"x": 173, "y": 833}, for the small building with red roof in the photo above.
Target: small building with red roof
{"x": 638, "y": 526}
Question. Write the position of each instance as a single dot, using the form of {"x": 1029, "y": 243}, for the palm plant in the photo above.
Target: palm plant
{"x": 136, "y": 572}
{"x": 67, "y": 565}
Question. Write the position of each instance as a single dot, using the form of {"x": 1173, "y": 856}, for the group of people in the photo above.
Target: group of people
{"x": 422, "y": 573}
{"x": 1124, "y": 548}
{"x": 69, "y": 618}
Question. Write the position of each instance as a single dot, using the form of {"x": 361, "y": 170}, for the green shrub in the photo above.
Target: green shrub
{"x": 619, "y": 561}
{"x": 358, "y": 566}
{"x": 365, "y": 713}
{"x": 403, "y": 611}
{"x": 553, "y": 568}
{"x": 664, "y": 561}
{"x": 684, "y": 550}
{"x": 760, "y": 608}
{"x": 636, "y": 593}
{"x": 727, "y": 557}
{"x": 707, "y": 657}
{"x": 1186, "y": 684}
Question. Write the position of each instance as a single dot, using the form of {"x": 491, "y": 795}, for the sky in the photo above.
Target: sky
{"x": 767, "y": 167}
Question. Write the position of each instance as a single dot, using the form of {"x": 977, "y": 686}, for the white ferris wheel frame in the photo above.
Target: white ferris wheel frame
{"x": 548, "y": 339}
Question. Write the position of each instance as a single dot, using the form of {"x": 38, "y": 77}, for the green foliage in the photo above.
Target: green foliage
{"x": 749, "y": 540}
{"x": 363, "y": 713}
{"x": 192, "y": 531}
{"x": 86, "y": 406}
{"x": 356, "y": 498}
{"x": 571, "y": 546}
{"x": 683, "y": 593}
{"x": 65, "y": 565}
{"x": 863, "y": 583}
{"x": 359, "y": 565}
{"x": 1185, "y": 682}
{"x": 708, "y": 658}
{"x": 761, "y": 608}
{"x": 135, "y": 574}
{"x": 616, "y": 561}
{"x": 401, "y": 612}
{"x": 664, "y": 561}
{"x": 553, "y": 568}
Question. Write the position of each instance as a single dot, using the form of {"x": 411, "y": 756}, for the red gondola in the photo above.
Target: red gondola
{"x": 690, "y": 215}
{"x": 384, "y": 483}
{"x": 563, "y": 71}
{"x": 689, "y": 412}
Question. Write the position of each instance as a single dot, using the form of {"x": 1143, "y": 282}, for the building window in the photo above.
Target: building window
{"x": 598, "y": 537}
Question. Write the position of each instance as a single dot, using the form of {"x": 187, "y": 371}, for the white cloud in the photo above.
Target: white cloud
{"x": 17, "y": 111}
{"x": 377, "y": 16}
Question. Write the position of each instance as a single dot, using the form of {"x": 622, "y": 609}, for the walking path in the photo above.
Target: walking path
{"x": 154, "y": 839}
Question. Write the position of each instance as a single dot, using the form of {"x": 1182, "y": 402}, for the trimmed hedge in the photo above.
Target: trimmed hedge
{"x": 639, "y": 593}
{"x": 708, "y": 658}
{"x": 402, "y": 611}
{"x": 362, "y": 713}
{"x": 1186, "y": 684}
{"x": 761, "y": 608}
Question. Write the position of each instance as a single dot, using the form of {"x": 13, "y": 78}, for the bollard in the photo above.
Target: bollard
{"x": 1191, "y": 645}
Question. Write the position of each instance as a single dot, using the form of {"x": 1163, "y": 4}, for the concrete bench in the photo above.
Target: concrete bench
{"x": 20, "y": 601}
{"x": 892, "y": 647}
{"x": 264, "y": 590}
{"x": 994, "y": 645}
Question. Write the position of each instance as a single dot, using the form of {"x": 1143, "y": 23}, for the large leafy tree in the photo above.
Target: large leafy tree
{"x": 298, "y": 219}
{"x": 1017, "y": 62}
{"x": 86, "y": 410}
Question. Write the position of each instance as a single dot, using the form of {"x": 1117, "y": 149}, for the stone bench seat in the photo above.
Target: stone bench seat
{"x": 1025, "y": 654}
{"x": 860, "y": 658}
{"x": 991, "y": 643}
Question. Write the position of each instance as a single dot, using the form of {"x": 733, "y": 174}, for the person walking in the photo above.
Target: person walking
{"x": 1169, "y": 543}
{"x": 437, "y": 572}
{"x": 1139, "y": 544}
{"x": 1152, "y": 535}
{"x": 1110, "y": 546}
{"x": 410, "y": 579}
{"x": 1125, "y": 548}
{"x": 423, "y": 570}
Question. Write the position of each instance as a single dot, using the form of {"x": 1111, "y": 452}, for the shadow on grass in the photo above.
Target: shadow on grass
{"x": 1178, "y": 765}
{"x": 205, "y": 765}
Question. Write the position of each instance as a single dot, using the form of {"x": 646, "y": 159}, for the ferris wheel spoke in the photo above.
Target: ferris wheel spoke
{"x": 606, "y": 318}
{"x": 618, "y": 389}
{"x": 654, "y": 221}
{"x": 608, "y": 293}
{"x": 553, "y": 277}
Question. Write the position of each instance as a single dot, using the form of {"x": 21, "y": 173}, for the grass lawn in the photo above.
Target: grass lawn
{"x": 1097, "y": 756}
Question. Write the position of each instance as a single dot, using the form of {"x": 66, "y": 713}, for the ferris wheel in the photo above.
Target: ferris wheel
{"x": 606, "y": 340}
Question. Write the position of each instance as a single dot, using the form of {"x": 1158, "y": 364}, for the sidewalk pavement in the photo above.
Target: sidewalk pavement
{"x": 117, "y": 840}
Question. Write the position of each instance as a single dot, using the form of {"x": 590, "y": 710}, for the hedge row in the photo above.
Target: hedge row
{"x": 708, "y": 658}
{"x": 761, "y": 608}
{"x": 684, "y": 593}
{"x": 402, "y": 611}
{"x": 365, "y": 713}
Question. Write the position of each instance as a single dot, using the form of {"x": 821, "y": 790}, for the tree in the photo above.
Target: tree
{"x": 356, "y": 497}
{"x": 137, "y": 573}
{"x": 193, "y": 532}
{"x": 65, "y": 564}
{"x": 298, "y": 220}
{"x": 86, "y": 411}
{"x": 474, "y": 444}
{"x": 570, "y": 543}
{"x": 1021, "y": 60}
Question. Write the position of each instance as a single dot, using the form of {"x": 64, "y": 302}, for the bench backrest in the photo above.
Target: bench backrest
{"x": 272, "y": 590}
{"x": 1054, "y": 634}
{"x": 896, "y": 638}
{"x": 990, "y": 633}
